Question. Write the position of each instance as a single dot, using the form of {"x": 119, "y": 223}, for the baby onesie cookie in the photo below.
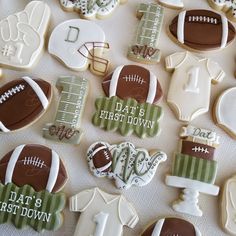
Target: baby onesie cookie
{"x": 90, "y": 9}
{"x": 194, "y": 169}
{"x": 70, "y": 110}
{"x": 227, "y": 6}
{"x": 22, "y": 102}
{"x": 171, "y": 226}
{"x": 31, "y": 177}
{"x": 176, "y": 4}
{"x": 144, "y": 48}
{"x": 201, "y": 30}
{"x": 127, "y": 165}
{"x": 225, "y": 111}
{"x": 102, "y": 214}
{"x": 129, "y": 106}
{"x": 191, "y": 81}
{"x": 80, "y": 45}
{"x": 22, "y": 36}
{"x": 228, "y": 206}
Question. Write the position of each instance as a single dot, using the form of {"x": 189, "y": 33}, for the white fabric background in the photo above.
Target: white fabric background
{"x": 154, "y": 200}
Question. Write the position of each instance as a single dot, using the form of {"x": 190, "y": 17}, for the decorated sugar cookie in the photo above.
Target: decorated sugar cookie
{"x": 123, "y": 162}
{"x": 31, "y": 177}
{"x": 70, "y": 109}
{"x": 144, "y": 48}
{"x": 194, "y": 169}
{"x": 227, "y": 6}
{"x": 171, "y": 226}
{"x": 80, "y": 45}
{"x": 201, "y": 30}
{"x": 129, "y": 106}
{"x": 102, "y": 214}
{"x": 90, "y": 9}
{"x": 22, "y": 102}
{"x": 22, "y": 35}
{"x": 176, "y": 4}
{"x": 191, "y": 81}
{"x": 225, "y": 111}
{"x": 228, "y": 206}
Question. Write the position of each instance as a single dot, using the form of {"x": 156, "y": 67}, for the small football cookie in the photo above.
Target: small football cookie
{"x": 22, "y": 35}
{"x": 176, "y": 4}
{"x": 22, "y": 102}
{"x": 201, "y": 30}
{"x": 225, "y": 111}
{"x": 227, "y": 6}
{"x": 34, "y": 165}
{"x": 133, "y": 81}
{"x": 171, "y": 227}
{"x": 90, "y": 9}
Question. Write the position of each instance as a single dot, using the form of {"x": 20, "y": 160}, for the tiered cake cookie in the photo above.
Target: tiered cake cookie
{"x": 194, "y": 168}
{"x": 132, "y": 92}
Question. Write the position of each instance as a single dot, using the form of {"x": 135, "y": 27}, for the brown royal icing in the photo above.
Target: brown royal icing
{"x": 199, "y": 33}
{"x": 173, "y": 226}
{"x": 33, "y": 168}
{"x": 19, "y": 104}
{"x": 138, "y": 89}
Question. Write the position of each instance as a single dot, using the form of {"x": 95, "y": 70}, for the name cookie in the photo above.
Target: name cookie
{"x": 80, "y": 45}
{"x": 22, "y": 102}
{"x": 227, "y": 6}
{"x": 92, "y": 9}
{"x": 102, "y": 213}
{"x": 224, "y": 111}
{"x": 131, "y": 91}
{"x": 123, "y": 162}
{"x": 201, "y": 30}
{"x": 171, "y": 226}
{"x": 176, "y": 4}
{"x": 70, "y": 110}
{"x": 194, "y": 169}
{"x": 191, "y": 81}
{"x": 144, "y": 48}
{"x": 31, "y": 177}
{"x": 22, "y": 35}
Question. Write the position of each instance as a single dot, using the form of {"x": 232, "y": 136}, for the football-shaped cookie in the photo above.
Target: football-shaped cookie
{"x": 202, "y": 30}
{"x": 34, "y": 165}
{"x": 171, "y": 227}
{"x": 133, "y": 81}
{"x": 22, "y": 101}
{"x": 101, "y": 157}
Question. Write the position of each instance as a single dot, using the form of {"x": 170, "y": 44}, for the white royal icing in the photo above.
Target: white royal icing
{"x": 180, "y": 27}
{"x": 12, "y": 163}
{"x": 79, "y": 44}
{"x": 173, "y": 3}
{"x": 4, "y": 128}
{"x": 152, "y": 89}
{"x": 42, "y": 97}
{"x": 54, "y": 170}
{"x": 225, "y": 31}
{"x": 114, "y": 81}
{"x": 158, "y": 227}
{"x": 225, "y": 110}
{"x": 22, "y": 35}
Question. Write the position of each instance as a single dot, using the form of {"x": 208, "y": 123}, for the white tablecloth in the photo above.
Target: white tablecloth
{"x": 154, "y": 200}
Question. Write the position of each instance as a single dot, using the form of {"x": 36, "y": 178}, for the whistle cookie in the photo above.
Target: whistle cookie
{"x": 70, "y": 110}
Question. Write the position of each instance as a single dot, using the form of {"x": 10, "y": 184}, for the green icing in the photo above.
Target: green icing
{"x": 127, "y": 116}
{"x": 194, "y": 168}
{"x": 144, "y": 47}
{"x": 70, "y": 110}
{"x": 25, "y": 207}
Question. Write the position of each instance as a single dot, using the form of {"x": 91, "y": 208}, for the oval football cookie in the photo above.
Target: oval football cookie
{"x": 202, "y": 30}
{"x": 22, "y": 102}
{"x": 133, "y": 81}
{"x": 171, "y": 226}
{"x": 34, "y": 165}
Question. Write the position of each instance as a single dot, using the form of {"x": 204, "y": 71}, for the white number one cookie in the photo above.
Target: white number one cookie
{"x": 70, "y": 110}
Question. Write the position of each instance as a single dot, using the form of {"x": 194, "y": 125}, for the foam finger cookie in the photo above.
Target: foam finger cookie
{"x": 90, "y": 9}
{"x": 225, "y": 111}
{"x": 171, "y": 226}
{"x": 31, "y": 177}
{"x": 80, "y": 45}
{"x": 22, "y": 102}
{"x": 176, "y": 4}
